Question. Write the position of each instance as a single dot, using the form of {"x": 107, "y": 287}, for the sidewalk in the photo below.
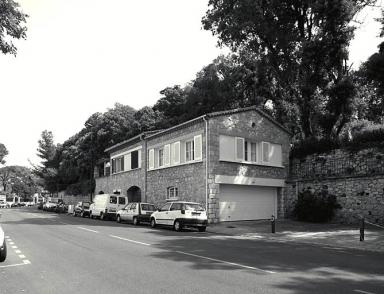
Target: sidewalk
{"x": 333, "y": 235}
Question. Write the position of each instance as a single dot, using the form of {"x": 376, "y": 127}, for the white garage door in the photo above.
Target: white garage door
{"x": 239, "y": 202}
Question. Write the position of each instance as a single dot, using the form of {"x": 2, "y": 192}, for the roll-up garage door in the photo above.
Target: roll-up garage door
{"x": 240, "y": 202}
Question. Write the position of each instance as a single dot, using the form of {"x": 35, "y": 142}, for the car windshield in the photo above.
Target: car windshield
{"x": 148, "y": 207}
{"x": 86, "y": 205}
{"x": 193, "y": 206}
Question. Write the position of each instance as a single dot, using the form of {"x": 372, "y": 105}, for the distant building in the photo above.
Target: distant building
{"x": 234, "y": 162}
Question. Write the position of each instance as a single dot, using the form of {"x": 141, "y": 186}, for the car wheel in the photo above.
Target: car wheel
{"x": 177, "y": 226}
{"x": 82, "y": 214}
{"x": 135, "y": 221}
{"x": 3, "y": 252}
{"x": 202, "y": 229}
{"x": 118, "y": 218}
{"x": 90, "y": 215}
{"x": 74, "y": 214}
{"x": 153, "y": 223}
{"x": 102, "y": 216}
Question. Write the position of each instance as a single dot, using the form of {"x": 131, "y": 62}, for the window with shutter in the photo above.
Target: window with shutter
{"x": 151, "y": 159}
{"x": 239, "y": 148}
{"x": 167, "y": 153}
{"x": 198, "y": 147}
{"x": 175, "y": 153}
{"x": 265, "y": 147}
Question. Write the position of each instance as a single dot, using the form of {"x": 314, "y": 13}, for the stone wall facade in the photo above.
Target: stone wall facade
{"x": 197, "y": 181}
{"x": 249, "y": 125}
{"x": 188, "y": 178}
{"x": 356, "y": 179}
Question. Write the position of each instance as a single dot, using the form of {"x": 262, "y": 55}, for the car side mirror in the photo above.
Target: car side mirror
{"x": 158, "y": 209}
{"x": 183, "y": 211}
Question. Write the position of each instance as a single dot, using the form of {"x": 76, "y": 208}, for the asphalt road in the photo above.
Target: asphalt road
{"x": 50, "y": 253}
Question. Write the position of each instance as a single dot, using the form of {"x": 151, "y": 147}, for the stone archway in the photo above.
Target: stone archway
{"x": 134, "y": 194}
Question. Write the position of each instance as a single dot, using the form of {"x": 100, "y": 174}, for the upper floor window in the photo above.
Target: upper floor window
{"x": 189, "y": 151}
{"x": 160, "y": 157}
{"x": 128, "y": 161}
{"x": 239, "y": 149}
{"x": 118, "y": 164}
{"x": 175, "y": 153}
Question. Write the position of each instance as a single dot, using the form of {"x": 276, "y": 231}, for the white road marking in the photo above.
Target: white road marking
{"x": 227, "y": 262}
{"x": 12, "y": 265}
{"x": 7, "y": 237}
{"x": 17, "y": 251}
{"x": 364, "y": 292}
{"x": 11, "y": 243}
{"x": 14, "y": 247}
{"x": 22, "y": 256}
{"x": 26, "y": 261}
{"x": 129, "y": 240}
{"x": 89, "y": 230}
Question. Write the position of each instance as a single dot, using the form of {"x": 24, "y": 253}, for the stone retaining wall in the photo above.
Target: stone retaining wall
{"x": 356, "y": 180}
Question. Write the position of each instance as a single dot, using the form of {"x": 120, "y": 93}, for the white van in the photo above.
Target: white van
{"x": 106, "y": 205}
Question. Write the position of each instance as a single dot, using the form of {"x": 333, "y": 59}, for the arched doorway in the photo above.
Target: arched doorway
{"x": 134, "y": 194}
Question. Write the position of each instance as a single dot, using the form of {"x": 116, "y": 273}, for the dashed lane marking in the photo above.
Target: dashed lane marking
{"x": 22, "y": 256}
{"x": 17, "y": 251}
{"x": 227, "y": 262}
{"x": 14, "y": 247}
{"x": 26, "y": 261}
{"x": 89, "y": 230}
{"x": 362, "y": 291}
{"x": 129, "y": 240}
{"x": 13, "y": 265}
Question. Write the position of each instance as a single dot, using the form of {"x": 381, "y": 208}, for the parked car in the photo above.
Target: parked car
{"x": 82, "y": 209}
{"x": 179, "y": 214}
{"x": 136, "y": 212}
{"x": 40, "y": 205}
{"x": 52, "y": 203}
{"x": 3, "y": 204}
{"x": 106, "y": 205}
{"x": 61, "y": 208}
{"x": 3, "y": 245}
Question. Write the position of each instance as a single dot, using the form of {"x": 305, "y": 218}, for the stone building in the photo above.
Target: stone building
{"x": 234, "y": 162}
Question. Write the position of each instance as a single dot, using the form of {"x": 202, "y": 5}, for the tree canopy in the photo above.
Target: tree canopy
{"x": 302, "y": 47}
{"x": 3, "y": 153}
{"x": 12, "y": 25}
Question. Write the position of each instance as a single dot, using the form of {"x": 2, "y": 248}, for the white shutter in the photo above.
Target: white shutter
{"x": 127, "y": 161}
{"x": 139, "y": 158}
{"x": 151, "y": 159}
{"x": 167, "y": 154}
{"x": 239, "y": 148}
{"x": 198, "y": 147}
{"x": 265, "y": 152}
{"x": 175, "y": 153}
{"x": 275, "y": 154}
{"x": 227, "y": 148}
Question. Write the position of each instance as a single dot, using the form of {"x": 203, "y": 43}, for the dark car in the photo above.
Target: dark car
{"x": 82, "y": 209}
{"x": 40, "y": 205}
{"x": 61, "y": 208}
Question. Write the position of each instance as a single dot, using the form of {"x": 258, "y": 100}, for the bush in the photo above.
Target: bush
{"x": 315, "y": 207}
{"x": 368, "y": 137}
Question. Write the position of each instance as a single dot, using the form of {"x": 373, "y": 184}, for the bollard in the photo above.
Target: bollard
{"x": 362, "y": 224}
{"x": 273, "y": 224}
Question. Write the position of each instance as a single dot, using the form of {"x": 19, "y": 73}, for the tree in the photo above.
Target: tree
{"x": 3, "y": 153}
{"x": 12, "y": 22}
{"x": 303, "y": 49}
{"x": 19, "y": 180}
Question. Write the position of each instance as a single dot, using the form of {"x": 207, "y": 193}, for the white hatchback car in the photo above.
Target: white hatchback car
{"x": 136, "y": 212}
{"x": 179, "y": 214}
{"x": 3, "y": 245}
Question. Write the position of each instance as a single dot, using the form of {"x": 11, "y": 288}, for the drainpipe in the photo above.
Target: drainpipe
{"x": 206, "y": 163}
{"x": 145, "y": 167}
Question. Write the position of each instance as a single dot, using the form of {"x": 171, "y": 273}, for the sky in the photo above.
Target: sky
{"x": 83, "y": 56}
